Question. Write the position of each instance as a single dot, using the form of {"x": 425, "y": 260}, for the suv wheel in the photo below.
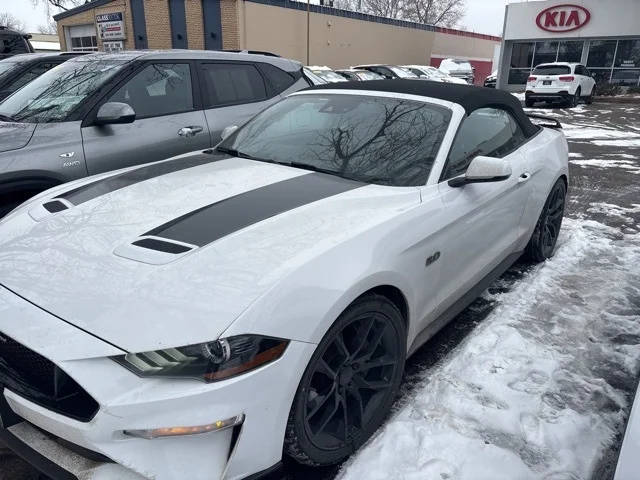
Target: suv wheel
{"x": 350, "y": 383}
{"x": 575, "y": 100}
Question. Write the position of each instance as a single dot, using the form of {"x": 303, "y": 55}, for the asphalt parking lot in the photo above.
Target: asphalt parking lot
{"x": 602, "y": 233}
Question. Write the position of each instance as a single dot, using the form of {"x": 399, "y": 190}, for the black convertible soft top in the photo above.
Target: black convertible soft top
{"x": 469, "y": 97}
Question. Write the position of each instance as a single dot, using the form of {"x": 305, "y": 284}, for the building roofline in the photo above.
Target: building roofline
{"x": 81, "y": 8}
{"x": 337, "y": 12}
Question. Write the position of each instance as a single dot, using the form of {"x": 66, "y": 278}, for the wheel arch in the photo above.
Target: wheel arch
{"x": 395, "y": 296}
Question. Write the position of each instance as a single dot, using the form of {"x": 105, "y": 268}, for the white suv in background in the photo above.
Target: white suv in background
{"x": 565, "y": 82}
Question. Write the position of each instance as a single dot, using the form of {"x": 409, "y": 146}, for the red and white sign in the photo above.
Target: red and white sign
{"x": 563, "y": 18}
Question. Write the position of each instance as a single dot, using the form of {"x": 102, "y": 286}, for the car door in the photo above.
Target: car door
{"x": 233, "y": 92}
{"x": 482, "y": 220}
{"x": 169, "y": 119}
{"x": 590, "y": 83}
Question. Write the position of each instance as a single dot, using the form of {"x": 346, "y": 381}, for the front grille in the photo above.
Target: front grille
{"x": 36, "y": 378}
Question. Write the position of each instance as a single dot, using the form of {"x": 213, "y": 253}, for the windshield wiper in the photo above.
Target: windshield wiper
{"x": 37, "y": 111}
{"x": 314, "y": 168}
{"x": 6, "y": 118}
{"x": 236, "y": 153}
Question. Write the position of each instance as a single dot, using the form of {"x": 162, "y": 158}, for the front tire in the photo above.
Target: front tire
{"x": 545, "y": 235}
{"x": 350, "y": 383}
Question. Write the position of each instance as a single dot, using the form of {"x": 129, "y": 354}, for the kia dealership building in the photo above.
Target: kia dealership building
{"x": 602, "y": 34}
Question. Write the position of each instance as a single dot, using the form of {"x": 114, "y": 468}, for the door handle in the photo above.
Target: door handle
{"x": 190, "y": 131}
{"x": 524, "y": 177}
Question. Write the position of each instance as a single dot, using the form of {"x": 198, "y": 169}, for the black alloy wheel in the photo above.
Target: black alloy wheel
{"x": 545, "y": 236}
{"x": 350, "y": 383}
{"x": 575, "y": 100}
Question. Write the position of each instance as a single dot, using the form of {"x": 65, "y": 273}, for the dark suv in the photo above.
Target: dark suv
{"x": 105, "y": 111}
{"x": 12, "y": 43}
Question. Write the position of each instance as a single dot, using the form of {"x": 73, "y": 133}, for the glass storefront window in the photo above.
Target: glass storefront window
{"x": 522, "y": 55}
{"x": 518, "y": 76}
{"x": 628, "y": 55}
{"x": 601, "y": 53}
{"x": 570, "y": 51}
{"x": 626, "y": 78}
{"x": 601, "y": 75}
{"x": 546, "y": 52}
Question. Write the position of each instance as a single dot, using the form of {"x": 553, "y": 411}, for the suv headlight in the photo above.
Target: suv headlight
{"x": 207, "y": 362}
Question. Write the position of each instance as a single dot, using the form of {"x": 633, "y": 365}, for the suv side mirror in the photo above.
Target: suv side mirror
{"x": 112, "y": 113}
{"x": 228, "y": 131}
{"x": 483, "y": 169}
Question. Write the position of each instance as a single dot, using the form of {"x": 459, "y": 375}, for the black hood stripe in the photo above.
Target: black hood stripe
{"x": 222, "y": 218}
{"x": 103, "y": 186}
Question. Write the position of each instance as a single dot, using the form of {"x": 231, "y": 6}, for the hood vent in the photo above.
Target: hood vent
{"x": 55, "y": 206}
{"x": 154, "y": 250}
{"x": 162, "y": 246}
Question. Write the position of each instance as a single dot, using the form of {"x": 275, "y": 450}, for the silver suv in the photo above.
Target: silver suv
{"x": 102, "y": 112}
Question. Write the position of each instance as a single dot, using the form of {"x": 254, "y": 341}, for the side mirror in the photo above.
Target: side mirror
{"x": 483, "y": 169}
{"x": 228, "y": 131}
{"x": 112, "y": 113}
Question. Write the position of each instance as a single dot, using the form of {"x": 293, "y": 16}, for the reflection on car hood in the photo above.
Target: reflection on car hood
{"x": 172, "y": 253}
{"x": 15, "y": 135}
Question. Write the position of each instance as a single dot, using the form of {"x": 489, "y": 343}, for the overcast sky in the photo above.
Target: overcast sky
{"x": 483, "y": 16}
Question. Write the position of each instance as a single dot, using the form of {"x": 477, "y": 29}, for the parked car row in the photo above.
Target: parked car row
{"x": 385, "y": 71}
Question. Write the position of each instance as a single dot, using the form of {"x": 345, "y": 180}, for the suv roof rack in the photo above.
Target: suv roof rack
{"x": 254, "y": 52}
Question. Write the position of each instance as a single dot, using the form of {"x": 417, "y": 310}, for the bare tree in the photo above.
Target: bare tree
{"x": 445, "y": 13}
{"x": 12, "y": 22}
{"x": 59, "y": 4}
{"x": 50, "y": 28}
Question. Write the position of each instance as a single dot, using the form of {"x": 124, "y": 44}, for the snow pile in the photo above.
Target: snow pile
{"x": 536, "y": 391}
{"x": 583, "y": 132}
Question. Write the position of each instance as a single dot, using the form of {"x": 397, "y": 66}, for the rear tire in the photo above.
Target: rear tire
{"x": 575, "y": 100}
{"x": 349, "y": 385}
{"x": 543, "y": 241}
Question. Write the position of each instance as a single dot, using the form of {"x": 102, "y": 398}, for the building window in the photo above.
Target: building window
{"x": 545, "y": 52}
{"x": 570, "y": 51}
{"x": 626, "y": 78}
{"x": 601, "y": 53}
{"x": 84, "y": 44}
{"x": 522, "y": 55}
{"x": 628, "y": 54}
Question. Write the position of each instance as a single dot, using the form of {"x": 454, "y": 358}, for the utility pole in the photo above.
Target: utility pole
{"x": 308, "y": 23}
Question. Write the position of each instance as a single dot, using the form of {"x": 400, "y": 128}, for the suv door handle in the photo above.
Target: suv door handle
{"x": 524, "y": 177}
{"x": 191, "y": 131}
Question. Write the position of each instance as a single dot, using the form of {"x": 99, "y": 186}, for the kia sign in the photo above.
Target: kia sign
{"x": 563, "y": 18}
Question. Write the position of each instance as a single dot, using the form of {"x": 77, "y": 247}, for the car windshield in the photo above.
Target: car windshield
{"x": 329, "y": 75}
{"x": 367, "y": 75}
{"x": 552, "y": 70}
{"x": 53, "y": 95}
{"x": 403, "y": 73}
{"x": 371, "y": 139}
{"x": 7, "y": 66}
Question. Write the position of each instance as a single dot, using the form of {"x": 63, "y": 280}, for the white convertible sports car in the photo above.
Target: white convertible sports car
{"x": 203, "y": 316}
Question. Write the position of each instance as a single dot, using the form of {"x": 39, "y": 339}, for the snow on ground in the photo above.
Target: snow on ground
{"x": 613, "y": 210}
{"x": 626, "y": 165}
{"x": 535, "y": 391}
{"x": 583, "y": 132}
{"x": 617, "y": 143}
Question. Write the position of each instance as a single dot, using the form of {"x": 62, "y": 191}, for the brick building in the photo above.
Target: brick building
{"x": 338, "y": 38}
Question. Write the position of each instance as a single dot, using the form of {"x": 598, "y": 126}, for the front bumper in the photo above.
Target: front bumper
{"x": 128, "y": 402}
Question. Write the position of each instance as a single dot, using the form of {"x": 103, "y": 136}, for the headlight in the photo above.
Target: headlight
{"x": 207, "y": 362}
